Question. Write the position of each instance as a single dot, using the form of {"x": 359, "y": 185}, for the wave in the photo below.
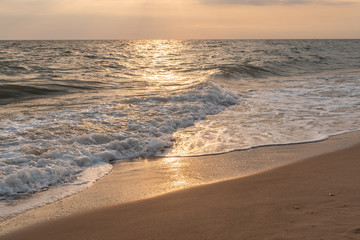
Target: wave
{"x": 299, "y": 109}
{"x": 12, "y": 92}
{"x": 13, "y": 67}
{"x": 235, "y": 71}
{"x": 15, "y": 91}
{"x": 57, "y": 146}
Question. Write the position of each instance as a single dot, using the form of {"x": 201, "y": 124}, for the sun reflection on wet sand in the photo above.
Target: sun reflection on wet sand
{"x": 144, "y": 178}
{"x": 175, "y": 173}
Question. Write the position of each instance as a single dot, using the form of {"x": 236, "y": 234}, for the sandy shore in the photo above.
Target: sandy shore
{"x": 315, "y": 198}
{"x": 138, "y": 179}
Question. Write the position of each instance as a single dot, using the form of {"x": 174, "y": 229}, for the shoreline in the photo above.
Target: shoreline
{"x": 260, "y": 146}
{"x": 132, "y": 181}
{"x": 312, "y": 198}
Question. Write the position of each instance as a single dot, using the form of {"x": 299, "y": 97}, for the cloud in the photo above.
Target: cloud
{"x": 276, "y": 2}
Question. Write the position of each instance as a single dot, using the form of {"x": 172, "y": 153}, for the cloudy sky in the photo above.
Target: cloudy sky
{"x": 178, "y": 19}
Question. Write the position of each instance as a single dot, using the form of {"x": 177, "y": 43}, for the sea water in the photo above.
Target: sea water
{"x": 70, "y": 108}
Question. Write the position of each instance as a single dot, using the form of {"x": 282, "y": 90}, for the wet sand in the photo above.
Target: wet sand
{"x": 314, "y": 198}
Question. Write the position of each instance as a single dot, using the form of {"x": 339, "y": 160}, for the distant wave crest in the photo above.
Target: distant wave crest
{"x": 234, "y": 71}
{"x": 14, "y": 91}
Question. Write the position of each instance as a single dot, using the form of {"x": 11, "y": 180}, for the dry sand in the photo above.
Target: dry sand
{"x": 315, "y": 198}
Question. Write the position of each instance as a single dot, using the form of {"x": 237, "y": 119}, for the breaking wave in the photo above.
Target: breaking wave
{"x": 49, "y": 149}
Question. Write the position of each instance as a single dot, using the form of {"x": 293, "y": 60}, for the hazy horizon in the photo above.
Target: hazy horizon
{"x": 178, "y": 19}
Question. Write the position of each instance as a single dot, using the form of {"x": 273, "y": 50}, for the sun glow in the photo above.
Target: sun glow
{"x": 178, "y": 19}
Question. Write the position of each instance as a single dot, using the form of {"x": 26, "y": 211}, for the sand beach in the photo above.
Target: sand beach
{"x": 313, "y": 198}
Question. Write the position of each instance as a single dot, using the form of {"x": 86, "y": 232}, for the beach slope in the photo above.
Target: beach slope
{"x": 315, "y": 198}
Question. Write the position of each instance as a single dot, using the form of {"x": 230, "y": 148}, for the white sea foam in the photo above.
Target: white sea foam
{"x": 53, "y": 148}
{"x": 84, "y": 180}
{"x": 304, "y": 110}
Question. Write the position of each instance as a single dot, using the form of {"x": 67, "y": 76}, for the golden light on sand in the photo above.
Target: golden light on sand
{"x": 176, "y": 174}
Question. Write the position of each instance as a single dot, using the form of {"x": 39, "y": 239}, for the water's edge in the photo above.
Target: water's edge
{"x": 145, "y": 178}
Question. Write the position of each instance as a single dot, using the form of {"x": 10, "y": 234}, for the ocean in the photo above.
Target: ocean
{"x": 68, "y": 109}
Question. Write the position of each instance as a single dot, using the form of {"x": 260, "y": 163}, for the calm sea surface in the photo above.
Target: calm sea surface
{"x": 70, "y": 108}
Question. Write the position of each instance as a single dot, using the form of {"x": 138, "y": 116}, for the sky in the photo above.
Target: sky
{"x": 179, "y": 19}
